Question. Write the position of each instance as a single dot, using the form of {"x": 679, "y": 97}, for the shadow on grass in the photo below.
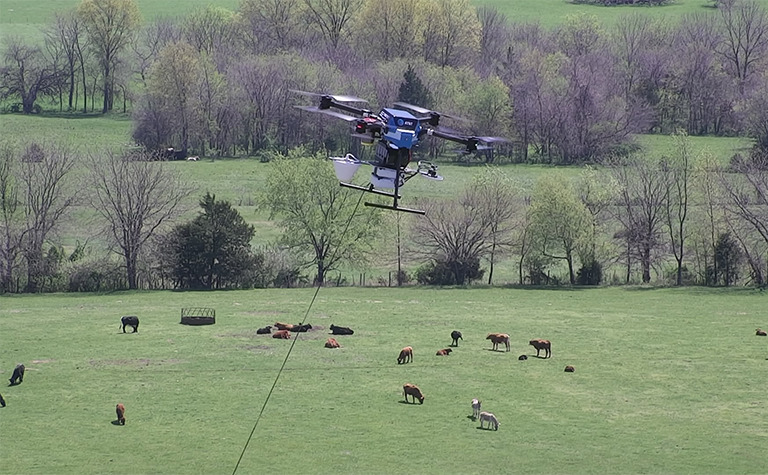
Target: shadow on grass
{"x": 116, "y": 423}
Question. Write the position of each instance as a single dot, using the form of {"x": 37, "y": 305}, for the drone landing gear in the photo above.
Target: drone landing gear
{"x": 395, "y": 196}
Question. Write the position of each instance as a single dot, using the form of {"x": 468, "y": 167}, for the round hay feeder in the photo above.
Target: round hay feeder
{"x": 198, "y": 316}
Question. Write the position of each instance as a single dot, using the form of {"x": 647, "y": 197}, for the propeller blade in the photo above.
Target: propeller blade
{"x": 329, "y": 112}
{"x": 427, "y": 112}
{"x": 412, "y": 107}
{"x": 492, "y": 139}
{"x": 335, "y": 97}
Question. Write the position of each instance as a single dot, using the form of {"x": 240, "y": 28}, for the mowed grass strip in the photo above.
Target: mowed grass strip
{"x": 667, "y": 380}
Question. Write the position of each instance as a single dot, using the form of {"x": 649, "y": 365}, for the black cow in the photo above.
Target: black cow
{"x": 341, "y": 330}
{"x": 130, "y": 321}
{"x": 302, "y": 327}
{"x": 264, "y": 331}
{"x": 18, "y": 374}
{"x": 2, "y": 401}
{"x": 456, "y": 336}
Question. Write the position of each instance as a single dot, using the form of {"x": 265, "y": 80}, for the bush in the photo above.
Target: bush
{"x": 445, "y": 272}
{"x": 590, "y": 273}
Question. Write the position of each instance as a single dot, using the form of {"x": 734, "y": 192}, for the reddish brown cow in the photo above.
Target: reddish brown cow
{"x": 414, "y": 392}
{"x": 406, "y": 355}
{"x": 497, "y": 338}
{"x": 760, "y": 332}
{"x": 540, "y": 344}
{"x": 332, "y": 343}
{"x": 444, "y": 352}
{"x": 283, "y": 334}
{"x": 120, "y": 409}
{"x": 283, "y": 326}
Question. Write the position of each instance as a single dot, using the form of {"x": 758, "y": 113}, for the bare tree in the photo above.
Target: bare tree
{"x": 272, "y": 25}
{"x": 136, "y": 197}
{"x": 331, "y": 17}
{"x": 10, "y": 218}
{"x": 679, "y": 170}
{"x": 27, "y": 74}
{"x": 745, "y": 41}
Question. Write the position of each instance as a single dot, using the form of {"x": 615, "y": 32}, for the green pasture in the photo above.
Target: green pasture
{"x": 666, "y": 381}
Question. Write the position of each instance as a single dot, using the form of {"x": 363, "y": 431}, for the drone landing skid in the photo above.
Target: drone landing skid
{"x": 371, "y": 189}
{"x": 396, "y": 208}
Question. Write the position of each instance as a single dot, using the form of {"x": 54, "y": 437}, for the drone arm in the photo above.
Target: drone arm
{"x": 469, "y": 142}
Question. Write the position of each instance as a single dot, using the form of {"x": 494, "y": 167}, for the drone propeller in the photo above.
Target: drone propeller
{"x": 432, "y": 116}
{"x": 335, "y": 97}
{"x": 329, "y": 112}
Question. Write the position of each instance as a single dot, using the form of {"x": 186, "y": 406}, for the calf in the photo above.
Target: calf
{"x": 332, "y": 343}
{"x": 130, "y": 321}
{"x": 476, "y": 408}
{"x": 264, "y": 331}
{"x": 487, "y": 416}
{"x": 18, "y": 374}
{"x": 406, "y": 355}
{"x": 444, "y": 352}
{"x": 341, "y": 330}
{"x": 120, "y": 409}
{"x": 540, "y": 344}
{"x": 282, "y": 334}
{"x": 760, "y": 332}
{"x": 569, "y": 369}
{"x": 497, "y": 338}
{"x": 455, "y": 337}
{"x": 414, "y": 392}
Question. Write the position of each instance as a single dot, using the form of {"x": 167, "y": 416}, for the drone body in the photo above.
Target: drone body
{"x": 396, "y": 131}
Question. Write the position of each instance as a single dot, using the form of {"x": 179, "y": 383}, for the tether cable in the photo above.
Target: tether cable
{"x": 293, "y": 343}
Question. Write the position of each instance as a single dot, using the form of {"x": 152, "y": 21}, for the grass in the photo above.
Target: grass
{"x": 665, "y": 381}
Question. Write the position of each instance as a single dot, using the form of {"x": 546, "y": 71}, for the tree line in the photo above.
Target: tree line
{"x": 217, "y": 82}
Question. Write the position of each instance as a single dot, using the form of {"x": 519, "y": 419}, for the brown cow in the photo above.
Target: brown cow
{"x": 414, "y": 392}
{"x": 120, "y": 409}
{"x": 569, "y": 369}
{"x": 444, "y": 352}
{"x": 332, "y": 343}
{"x": 406, "y": 355}
{"x": 497, "y": 338}
{"x": 540, "y": 344}
{"x": 760, "y": 332}
{"x": 283, "y": 334}
{"x": 283, "y": 326}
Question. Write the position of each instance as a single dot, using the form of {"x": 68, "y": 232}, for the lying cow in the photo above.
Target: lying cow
{"x": 130, "y": 321}
{"x": 284, "y": 326}
{"x": 120, "y": 409}
{"x": 341, "y": 330}
{"x": 18, "y": 375}
{"x": 414, "y": 392}
{"x": 332, "y": 343}
{"x": 282, "y": 334}
{"x": 540, "y": 344}
{"x": 455, "y": 337}
{"x": 760, "y": 332}
{"x": 497, "y": 338}
{"x": 265, "y": 330}
{"x": 406, "y": 355}
{"x": 487, "y": 416}
{"x": 569, "y": 369}
{"x": 302, "y": 327}
{"x": 444, "y": 352}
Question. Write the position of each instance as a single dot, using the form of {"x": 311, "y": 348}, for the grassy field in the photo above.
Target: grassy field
{"x": 666, "y": 381}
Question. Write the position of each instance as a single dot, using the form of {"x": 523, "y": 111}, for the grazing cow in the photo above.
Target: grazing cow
{"x": 332, "y": 343}
{"x": 2, "y": 401}
{"x": 487, "y": 416}
{"x": 444, "y": 352}
{"x": 476, "y": 408}
{"x": 120, "y": 409}
{"x": 497, "y": 338}
{"x": 302, "y": 327}
{"x": 456, "y": 336}
{"x": 522, "y": 357}
{"x": 341, "y": 330}
{"x": 264, "y": 331}
{"x": 414, "y": 392}
{"x": 569, "y": 369}
{"x": 282, "y": 334}
{"x": 18, "y": 375}
{"x": 284, "y": 326}
{"x": 130, "y": 321}
{"x": 406, "y": 355}
{"x": 540, "y": 344}
{"x": 760, "y": 332}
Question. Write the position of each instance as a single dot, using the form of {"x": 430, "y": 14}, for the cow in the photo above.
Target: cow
{"x": 569, "y": 369}
{"x": 282, "y": 334}
{"x": 341, "y": 330}
{"x": 130, "y": 321}
{"x": 265, "y": 330}
{"x": 332, "y": 343}
{"x": 193, "y": 158}
{"x": 497, "y": 338}
{"x": 284, "y": 326}
{"x": 302, "y": 327}
{"x": 18, "y": 375}
{"x": 522, "y": 357}
{"x": 487, "y": 416}
{"x": 120, "y": 409}
{"x": 414, "y": 392}
{"x": 444, "y": 352}
{"x": 760, "y": 332}
{"x": 455, "y": 337}
{"x": 476, "y": 408}
{"x": 2, "y": 401}
{"x": 540, "y": 344}
{"x": 406, "y": 355}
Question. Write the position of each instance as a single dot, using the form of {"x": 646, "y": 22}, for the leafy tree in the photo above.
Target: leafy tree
{"x": 392, "y": 24}
{"x": 322, "y": 222}
{"x": 213, "y": 251}
{"x": 332, "y": 17}
{"x": 413, "y": 90}
{"x": 728, "y": 258}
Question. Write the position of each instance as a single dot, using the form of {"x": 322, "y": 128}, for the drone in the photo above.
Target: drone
{"x": 395, "y": 131}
